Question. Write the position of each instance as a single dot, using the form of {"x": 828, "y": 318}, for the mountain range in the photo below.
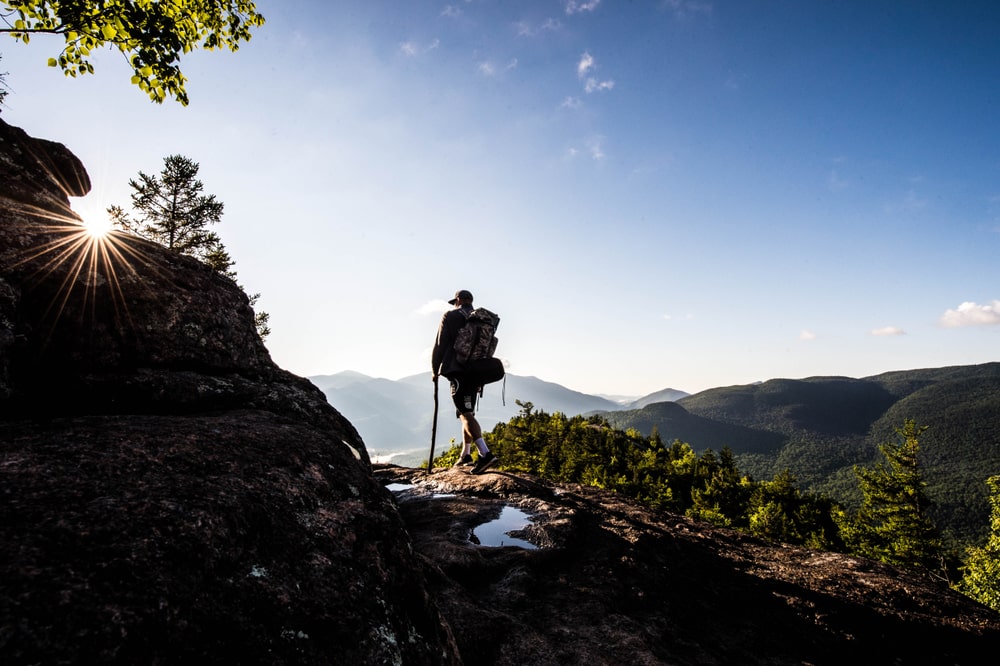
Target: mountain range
{"x": 394, "y": 417}
{"x": 818, "y": 428}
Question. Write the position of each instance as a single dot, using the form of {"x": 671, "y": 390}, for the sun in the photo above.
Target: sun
{"x": 97, "y": 226}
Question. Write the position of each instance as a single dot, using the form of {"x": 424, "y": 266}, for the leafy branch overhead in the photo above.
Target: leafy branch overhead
{"x": 151, "y": 34}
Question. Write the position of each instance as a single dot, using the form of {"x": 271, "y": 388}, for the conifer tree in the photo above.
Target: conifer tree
{"x": 3, "y": 85}
{"x": 892, "y": 524}
{"x": 981, "y": 576}
{"x": 173, "y": 211}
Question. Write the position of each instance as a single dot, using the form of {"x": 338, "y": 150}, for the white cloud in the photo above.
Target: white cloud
{"x": 575, "y": 7}
{"x": 413, "y": 49}
{"x": 972, "y": 314}
{"x": 525, "y": 29}
{"x": 571, "y": 103}
{"x": 593, "y": 85}
{"x": 807, "y": 335}
{"x": 488, "y": 68}
{"x": 436, "y": 306}
{"x": 595, "y": 146}
{"x": 886, "y": 331}
{"x": 686, "y": 7}
{"x": 451, "y": 11}
{"x": 911, "y": 203}
{"x": 835, "y": 182}
{"x": 584, "y": 67}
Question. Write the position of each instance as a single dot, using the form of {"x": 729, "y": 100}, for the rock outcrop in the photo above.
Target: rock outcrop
{"x": 615, "y": 583}
{"x": 166, "y": 492}
{"x": 168, "y": 495}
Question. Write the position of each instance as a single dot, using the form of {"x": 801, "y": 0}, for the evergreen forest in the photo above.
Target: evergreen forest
{"x": 891, "y": 522}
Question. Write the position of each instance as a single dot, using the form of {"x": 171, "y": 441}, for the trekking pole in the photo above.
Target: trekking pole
{"x": 434, "y": 429}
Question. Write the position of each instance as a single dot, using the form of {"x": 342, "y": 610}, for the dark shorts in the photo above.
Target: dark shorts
{"x": 463, "y": 394}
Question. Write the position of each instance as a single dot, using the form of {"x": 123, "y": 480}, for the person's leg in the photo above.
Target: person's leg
{"x": 473, "y": 432}
{"x": 462, "y": 405}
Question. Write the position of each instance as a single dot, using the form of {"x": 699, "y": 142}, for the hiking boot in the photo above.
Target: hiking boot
{"x": 466, "y": 461}
{"x": 484, "y": 463}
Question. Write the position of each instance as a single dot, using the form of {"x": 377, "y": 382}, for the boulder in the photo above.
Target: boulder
{"x": 166, "y": 492}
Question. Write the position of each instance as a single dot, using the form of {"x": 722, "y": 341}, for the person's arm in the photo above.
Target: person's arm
{"x": 437, "y": 355}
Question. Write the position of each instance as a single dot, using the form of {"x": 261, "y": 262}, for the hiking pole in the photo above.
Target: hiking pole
{"x": 434, "y": 428}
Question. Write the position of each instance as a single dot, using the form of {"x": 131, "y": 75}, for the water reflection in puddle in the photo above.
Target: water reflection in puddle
{"x": 399, "y": 488}
{"x": 496, "y": 532}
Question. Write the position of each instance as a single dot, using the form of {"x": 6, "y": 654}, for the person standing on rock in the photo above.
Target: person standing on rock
{"x": 464, "y": 390}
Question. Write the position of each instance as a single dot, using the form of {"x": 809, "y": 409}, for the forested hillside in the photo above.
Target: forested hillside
{"x": 819, "y": 428}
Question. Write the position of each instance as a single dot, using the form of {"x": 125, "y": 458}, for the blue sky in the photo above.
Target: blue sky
{"x": 683, "y": 194}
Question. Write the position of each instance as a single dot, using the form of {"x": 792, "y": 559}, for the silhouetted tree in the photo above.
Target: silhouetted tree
{"x": 172, "y": 210}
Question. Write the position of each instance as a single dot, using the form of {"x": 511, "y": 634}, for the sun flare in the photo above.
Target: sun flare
{"x": 97, "y": 227}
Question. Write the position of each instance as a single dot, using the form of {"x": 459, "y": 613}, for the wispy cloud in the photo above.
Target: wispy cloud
{"x": 436, "y": 306}
{"x": 413, "y": 49}
{"x": 807, "y": 335}
{"x": 911, "y": 203}
{"x": 593, "y": 85}
{"x": 835, "y": 182}
{"x": 682, "y": 8}
{"x": 526, "y": 29}
{"x": 584, "y": 68}
{"x": 489, "y": 68}
{"x": 578, "y": 6}
{"x": 571, "y": 103}
{"x": 451, "y": 11}
{"x": 972, "y": 314}
{"x": 888, "y": 331}
{"x": 595, "y": 146}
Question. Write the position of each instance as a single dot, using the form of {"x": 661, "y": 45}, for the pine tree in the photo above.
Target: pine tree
{"x": 173, "y": 211}
{"x": 3, "y": 85}
{"x": 892, "y": 524}
{"x": 981, "y": 575}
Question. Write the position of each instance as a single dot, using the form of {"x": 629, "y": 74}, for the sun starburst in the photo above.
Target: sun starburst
{"x": 89, "y": 259}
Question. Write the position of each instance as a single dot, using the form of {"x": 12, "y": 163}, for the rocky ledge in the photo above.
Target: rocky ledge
{"x": 611, "y": 582}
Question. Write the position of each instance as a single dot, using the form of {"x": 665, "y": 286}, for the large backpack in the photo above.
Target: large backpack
{"x": 477, "y": 338}
{"x": 475, "y": 344}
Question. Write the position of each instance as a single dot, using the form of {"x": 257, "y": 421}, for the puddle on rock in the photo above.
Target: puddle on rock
{"x": 400, "y": 488}
{"x": 496, "y": 532}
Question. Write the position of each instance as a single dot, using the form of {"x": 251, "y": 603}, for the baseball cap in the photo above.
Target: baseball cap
{"x": 461, "y": 295}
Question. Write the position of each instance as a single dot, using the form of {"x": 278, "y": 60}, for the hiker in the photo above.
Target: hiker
{"x": 464, "y": 389}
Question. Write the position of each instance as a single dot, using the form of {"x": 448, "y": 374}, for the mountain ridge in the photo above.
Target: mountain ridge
{"x": 817, "y": 427}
